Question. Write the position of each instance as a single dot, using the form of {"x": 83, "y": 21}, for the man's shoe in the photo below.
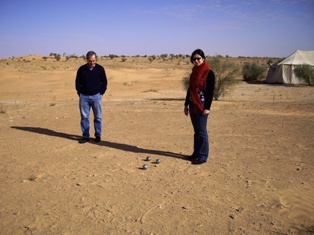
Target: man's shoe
{"x": 97, "y": 139}
{"x": 198, "y": 162}
{"x": 191, "y": 158}
{"x": 83, "y": 140}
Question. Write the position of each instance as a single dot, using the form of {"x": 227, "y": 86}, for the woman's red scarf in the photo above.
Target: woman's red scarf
{"x": 197, "y": 80}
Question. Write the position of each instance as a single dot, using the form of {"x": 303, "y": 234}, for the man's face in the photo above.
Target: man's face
{"x": 91, "y": 61}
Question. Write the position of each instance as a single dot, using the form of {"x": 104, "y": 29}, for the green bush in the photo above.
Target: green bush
{"x": 58, "y": 57}
{"x": 225, "y": 74}
{"x": 111, "y": 56}
{"x": 253, "y": 72}
{"x": 305, "y": 73}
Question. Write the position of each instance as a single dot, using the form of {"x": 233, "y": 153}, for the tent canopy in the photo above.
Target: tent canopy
{"x": 300, "y": 57}
{"x": 283, "y": 72}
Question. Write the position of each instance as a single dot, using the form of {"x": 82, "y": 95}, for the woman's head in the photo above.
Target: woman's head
{"x": 197, "y": 57}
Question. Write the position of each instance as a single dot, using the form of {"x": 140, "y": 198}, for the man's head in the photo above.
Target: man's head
{"x": 91, "y": 59}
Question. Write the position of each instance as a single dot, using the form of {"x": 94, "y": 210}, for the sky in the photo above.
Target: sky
{"x": 262, "y": 28}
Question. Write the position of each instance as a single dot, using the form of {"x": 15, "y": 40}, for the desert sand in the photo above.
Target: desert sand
{"x": 259, "y": 178}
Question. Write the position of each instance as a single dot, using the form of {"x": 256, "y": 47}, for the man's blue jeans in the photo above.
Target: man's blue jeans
{"x": 86, "y": 103}
{"x": 201, "y": 144}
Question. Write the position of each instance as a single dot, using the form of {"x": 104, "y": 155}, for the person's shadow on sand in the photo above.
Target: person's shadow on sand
{"x": 124, "y": 147}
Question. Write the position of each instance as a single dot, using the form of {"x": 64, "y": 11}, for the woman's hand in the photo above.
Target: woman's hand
{"x": 186, "y": 110}
{"x": 205, "y": 112}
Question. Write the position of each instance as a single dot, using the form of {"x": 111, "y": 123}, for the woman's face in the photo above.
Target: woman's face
{"x": 197, "y": 60}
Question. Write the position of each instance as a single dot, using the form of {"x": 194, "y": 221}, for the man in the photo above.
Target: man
{"x": 91, "y": 84}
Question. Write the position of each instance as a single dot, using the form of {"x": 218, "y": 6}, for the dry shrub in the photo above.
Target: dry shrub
{"x": 253, "y": 72}
{"x": 305, "y": 73}
{"x": 225, "y": 76}
{"x": 225, "y": 73}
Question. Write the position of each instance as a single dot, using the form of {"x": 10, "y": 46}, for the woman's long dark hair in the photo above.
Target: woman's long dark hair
{"x": 199, "y": 52}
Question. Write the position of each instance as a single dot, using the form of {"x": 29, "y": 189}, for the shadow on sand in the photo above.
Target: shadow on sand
{"x": 119, "y": 146}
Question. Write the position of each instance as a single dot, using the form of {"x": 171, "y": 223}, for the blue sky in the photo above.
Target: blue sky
{"x": 264, "y": 28}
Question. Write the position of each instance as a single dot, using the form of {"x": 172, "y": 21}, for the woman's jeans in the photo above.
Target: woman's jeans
{"x": 87, "y": 102}
{"x": 201, "y": 144}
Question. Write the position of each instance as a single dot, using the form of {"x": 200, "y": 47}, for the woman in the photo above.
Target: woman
{"x": 198, "y": 100}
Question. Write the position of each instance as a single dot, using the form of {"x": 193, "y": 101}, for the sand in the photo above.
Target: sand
{"x": 259, "y": 178}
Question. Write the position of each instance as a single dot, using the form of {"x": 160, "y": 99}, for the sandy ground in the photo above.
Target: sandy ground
{"x": 259, "y": 178}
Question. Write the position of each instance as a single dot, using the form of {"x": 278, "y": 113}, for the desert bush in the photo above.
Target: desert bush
{"x": 2, "y": 110}
{"x": 111, "y": 56}
{"x": 225, "y": 74}
{"x": 151, "y": 90}
{"x": 253, "y": 72}
{"x": 270, "y": 61}
{"x": 305, "y": 73}
{"x": 186, "y": 82}
{"x": 123, "y": 59}
{"x": 58, "y": 57}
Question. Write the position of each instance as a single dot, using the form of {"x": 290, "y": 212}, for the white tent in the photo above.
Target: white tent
{"x": 283, "y": 72}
